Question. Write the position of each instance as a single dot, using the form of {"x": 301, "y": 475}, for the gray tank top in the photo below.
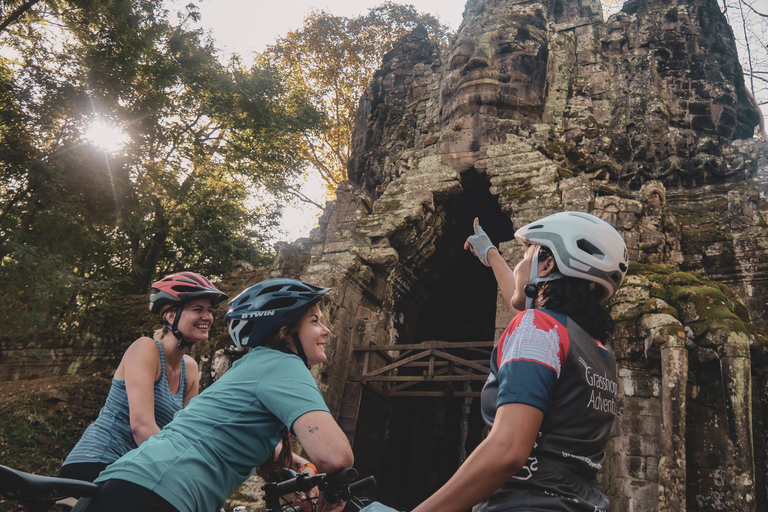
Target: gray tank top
{"x": 110, "y": 437}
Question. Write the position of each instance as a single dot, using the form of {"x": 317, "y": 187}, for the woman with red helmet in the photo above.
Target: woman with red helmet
{"x": 154, "y": 379}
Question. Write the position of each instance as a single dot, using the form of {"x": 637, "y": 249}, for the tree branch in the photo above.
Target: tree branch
{"x": 325, "y": 172}
{"x": 746, "y": 43}
{"x": 754, "y": 10}
{"x": 303, "y": 198}
{"x": 756, "y": 75}
{"x": 17, "y": 13}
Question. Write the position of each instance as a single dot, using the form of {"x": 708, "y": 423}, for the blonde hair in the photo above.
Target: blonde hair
{"x": 162, "y": 331}
{"x": 159, "y": 333}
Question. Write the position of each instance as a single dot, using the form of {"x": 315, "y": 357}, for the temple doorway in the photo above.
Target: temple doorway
{"x": 415, "y": 434}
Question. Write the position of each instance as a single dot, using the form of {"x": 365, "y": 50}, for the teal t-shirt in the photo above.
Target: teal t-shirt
{"x": 218, "y": 440}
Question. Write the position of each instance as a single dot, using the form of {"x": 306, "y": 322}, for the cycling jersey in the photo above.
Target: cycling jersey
{"x": 544, "y": 359}
{"x": 219, "y": 439}
{"x": 110, "y": 436}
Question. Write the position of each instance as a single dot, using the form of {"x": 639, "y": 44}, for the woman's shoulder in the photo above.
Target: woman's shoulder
{"x": 190, "y": 364}
{"x": 143, "y": 351}
{"x": 145, "y": 348}
{"x": 144, "y": 343}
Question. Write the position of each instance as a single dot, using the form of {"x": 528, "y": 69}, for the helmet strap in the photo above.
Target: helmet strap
{"x": 532, "y": 288}
{"x": 300, "y": 348}
{"x": 182, "y": 344}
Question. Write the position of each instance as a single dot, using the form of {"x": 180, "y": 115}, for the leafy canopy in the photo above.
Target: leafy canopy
{"x": 334, "y": 58}
{"x": 78, "y": 223}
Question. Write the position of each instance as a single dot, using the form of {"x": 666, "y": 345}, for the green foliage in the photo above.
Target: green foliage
{"x": 80, "y": 224}
{"x": 41, "y": 420}
{"x": 37, "y": 435}
{"x": 334, "y": 58}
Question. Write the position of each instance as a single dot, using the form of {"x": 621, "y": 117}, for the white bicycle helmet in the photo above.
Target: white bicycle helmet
{"x": 584, "y": 246}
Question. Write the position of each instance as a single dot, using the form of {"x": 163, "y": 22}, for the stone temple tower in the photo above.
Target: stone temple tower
{"x": 537, "y": 107}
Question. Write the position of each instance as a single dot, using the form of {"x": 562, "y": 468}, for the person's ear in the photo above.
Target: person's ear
{"x": 169, "y": 315}
{"x": 546, "y": 267}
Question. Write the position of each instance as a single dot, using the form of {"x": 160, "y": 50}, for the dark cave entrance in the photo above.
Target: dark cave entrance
{"x": 428, "y": 437}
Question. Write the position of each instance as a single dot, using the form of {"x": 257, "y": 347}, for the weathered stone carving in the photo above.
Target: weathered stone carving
{"x": 540, "y": 105}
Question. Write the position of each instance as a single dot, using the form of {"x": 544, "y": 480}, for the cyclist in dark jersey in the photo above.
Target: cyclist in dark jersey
{"x": 155, "y": 378}
{"x": 550, "y": 400}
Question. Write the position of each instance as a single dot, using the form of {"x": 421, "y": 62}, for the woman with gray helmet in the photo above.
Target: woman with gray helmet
{"x": 550, "y": 399}
{"x": 233, "y": 426}
{"x": 155, "y": 377}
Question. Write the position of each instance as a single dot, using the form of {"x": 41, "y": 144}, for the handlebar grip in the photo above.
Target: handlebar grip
{"x": 336, "y": 485}
{"x": 362, "y": 484}
{"x": 341, "y": 478}
{"x": 301, "y": 483}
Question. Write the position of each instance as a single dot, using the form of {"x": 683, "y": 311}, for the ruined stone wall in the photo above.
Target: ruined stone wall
{"x": 641, "y": 120}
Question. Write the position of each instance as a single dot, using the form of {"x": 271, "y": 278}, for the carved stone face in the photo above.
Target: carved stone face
{"x": 498, "y": 65}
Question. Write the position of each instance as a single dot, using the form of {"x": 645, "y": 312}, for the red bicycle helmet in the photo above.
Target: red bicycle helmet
{"x": 182, "y": 287}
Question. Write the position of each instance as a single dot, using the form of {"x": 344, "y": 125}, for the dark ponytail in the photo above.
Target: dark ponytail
{"x": 281, "y": 340}
{"x": 270, "y": 468}
{"x": 577, "y": 298}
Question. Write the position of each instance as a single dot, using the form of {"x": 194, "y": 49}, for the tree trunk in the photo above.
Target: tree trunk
{"x": 146, "y": 263}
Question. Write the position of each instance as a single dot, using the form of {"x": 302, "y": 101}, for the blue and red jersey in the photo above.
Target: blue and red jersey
{"x": 545, "y": 360}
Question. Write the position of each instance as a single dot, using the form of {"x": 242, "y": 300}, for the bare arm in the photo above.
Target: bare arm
{"x": 504, "y": 275}
{"x": 140, "y": 369}
{"x": 296, "y": 460}
{"x": 302, "y": 500}
{"x": 496, "y": 459}
{"x": 299, "y": 461}
{"x": 327, "y": 447}
{"x": 193, "y": 380}
{"x": 325, "y": 443}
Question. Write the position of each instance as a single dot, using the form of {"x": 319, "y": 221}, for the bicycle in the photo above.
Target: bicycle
{"x": 36, "y": 493}
{"x": 339, "y": 486}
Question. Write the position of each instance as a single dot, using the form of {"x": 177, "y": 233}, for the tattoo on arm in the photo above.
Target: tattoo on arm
{"x": 314, "y": 429}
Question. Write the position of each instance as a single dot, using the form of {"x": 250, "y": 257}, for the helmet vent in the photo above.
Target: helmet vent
{"x": 184, "y": 289}
{"x": 622, "y": 267}
{"x": 586, "y": 216}
{"x": 270, "y": 289}
{"x": 589, "y": 248}
{"x": 279, "y": 303}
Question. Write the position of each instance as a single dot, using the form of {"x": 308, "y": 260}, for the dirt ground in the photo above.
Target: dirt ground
{"x": 9, "y": 389}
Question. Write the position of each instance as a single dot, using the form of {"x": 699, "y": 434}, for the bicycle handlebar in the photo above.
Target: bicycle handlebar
{"x": 40, "y": 492}
{"x": 300, "y": 482}
{"x": 336, "y": 486}
{"x": 361, "y": 485}
{"x": 37, "y": 492}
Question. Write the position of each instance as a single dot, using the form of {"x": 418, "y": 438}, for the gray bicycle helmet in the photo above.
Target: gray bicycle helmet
{"x": 584, "y": 246}
{"x": 263, "y": 308}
